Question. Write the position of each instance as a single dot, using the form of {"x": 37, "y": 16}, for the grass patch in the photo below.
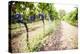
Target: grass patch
{"x": 37, "y": 41}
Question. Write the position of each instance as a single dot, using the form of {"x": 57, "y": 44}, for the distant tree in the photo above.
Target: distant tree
{"x": 62, "y": 13}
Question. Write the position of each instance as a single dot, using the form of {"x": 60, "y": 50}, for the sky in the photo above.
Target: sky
{"x": 66, "y": 1}
{"x": 66, "y": 5}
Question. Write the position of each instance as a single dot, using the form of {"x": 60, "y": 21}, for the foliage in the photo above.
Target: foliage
{"x": 72, "y": 17}
{"x": 30, "y": 8}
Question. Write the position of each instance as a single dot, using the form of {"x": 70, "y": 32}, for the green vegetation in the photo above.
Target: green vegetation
{"x": 28, "y": 9}
{"x": 72, "y": 17}
{"x": 37, "y": 41}
{"x": 47, "y": 26}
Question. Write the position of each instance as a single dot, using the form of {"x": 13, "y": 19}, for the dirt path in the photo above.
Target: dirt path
{"x": 19, "y": 43}
{"x": 65, "y": 37}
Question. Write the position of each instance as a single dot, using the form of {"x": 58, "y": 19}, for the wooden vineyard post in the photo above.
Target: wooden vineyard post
{"x": 27, "y": 36}
{"x": 43, "y": 27}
